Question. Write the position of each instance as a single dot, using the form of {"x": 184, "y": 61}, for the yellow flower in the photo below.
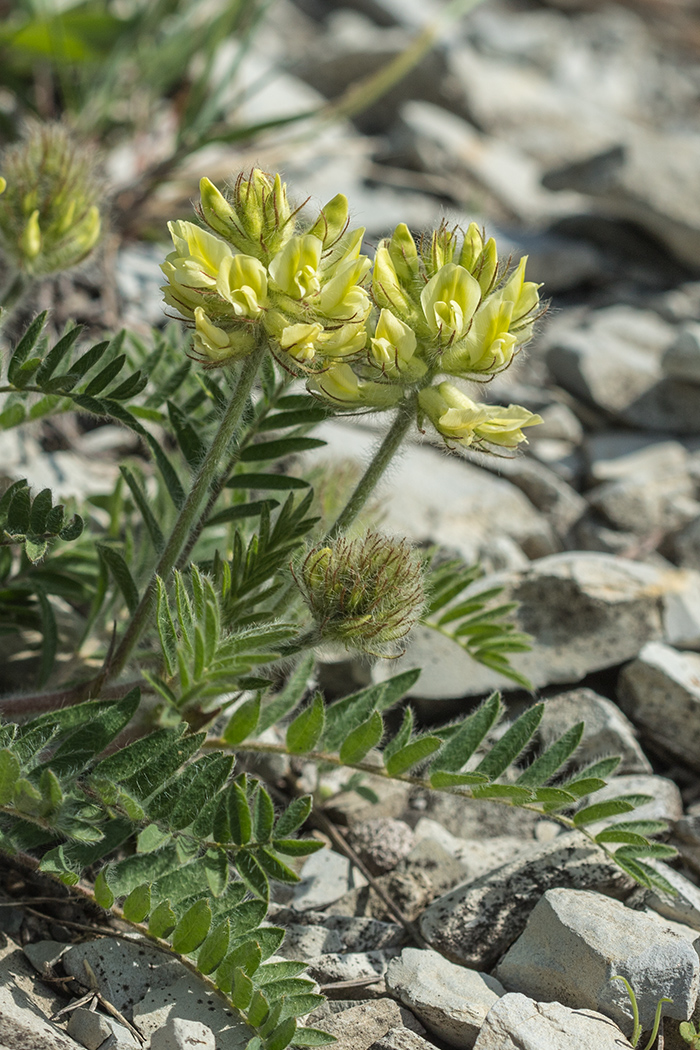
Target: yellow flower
{"x": 489, "y": 345}
{"x": 479, "y": 257}
{"x": 459, "y": 419}
{"x": 393, "y": 347}
{"x": 386, "y": 288}
{"x": 294, "y": 270}
{"x": 332, "y": 221}
{"x": 299, "y": 341}
{"x": 449, "y": 301}
{"x": 242, "y": 282}
{"x": 524, "y": 295}
{"x": 342, "y": 341}
{"x": 341, "y": 297}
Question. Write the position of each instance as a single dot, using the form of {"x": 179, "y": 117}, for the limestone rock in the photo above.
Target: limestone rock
{"x": 660, "y": 692}
{"x": 25, "y": 1005}
{"x": 451, "y": 1001}
{"x": 665, "y": 798}
{"x": 575, "y": 942}
{"x": 475, "y": 923}
{"x": 606, "y": 732}
{"x": 190, "y": 1000}
{"x": 325, "y": 877}
{"x": 401, "y": 1039}
{"x": 381, "y": 843}
{"x": 519, "y": 1023}
{"x": 125, "y": 970}
{"x": 93, "y": 1030}
{"x": 613, "y": 455}
{"x": 360, "y": 1026}
{"x": 682, "y": 359}
{"x": 183, "y": 1035}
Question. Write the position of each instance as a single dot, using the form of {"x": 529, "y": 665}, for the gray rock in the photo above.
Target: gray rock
{"x": 575, "y": 942}
{"x": 325, "y": 877}
{"x": 43, "y": 955}
{"x": 360, "y": 1026}
{"x": 474, "y": 924}
{"x": 25, "y": 1005}
{"x": 559, "y": 423}
{"x": 682, "y": 359}
{"x": 557, "y": 500}
{"x": 481, "y": 507}
{"x": 519, "y": 1023}
{"x": 586, "y": 611}
{"x": 686, "y": 546}
{"x": 660, "y": 692}
{"x": 178, "y": 1034}
{"x": 679, "y": 304}
{"x": 612, "y": 357}
{"x": 451, "y": 1001}
{"x": 683, "y": 907}
{"x": 381, "y": 843}
{"x": 363, "y": 935}
{"x": 351, "y": 966}
{"x": 647, "y": 502}
{"x": 613, "y": 455}
{"x": 189, "y": 999}
{"x": 125, "y": 970}
{"x": 94, "y": 1030}
{"x": 476, "y": 856}
{"x": 666, "y": 802}
{"x": 306, "y": 942}
{"x": 606, "y": 730}
{"x": 401, "y": 1039}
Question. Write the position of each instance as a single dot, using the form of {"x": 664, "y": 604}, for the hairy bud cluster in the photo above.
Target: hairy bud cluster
{"x": 366, "y": 593}
{"x": 49, "y": 216}
{"x": 444, "y": 307}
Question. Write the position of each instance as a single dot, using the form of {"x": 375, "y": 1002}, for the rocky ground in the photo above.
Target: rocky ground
{"x": 572, "y": 130}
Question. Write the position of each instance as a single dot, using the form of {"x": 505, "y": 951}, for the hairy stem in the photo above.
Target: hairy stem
{"x": 188, "y": 516}
{"x": 405, "y": 416}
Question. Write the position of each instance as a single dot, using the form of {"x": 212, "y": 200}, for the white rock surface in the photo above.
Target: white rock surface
{"x": 401, "y": 1039}
{"x": 519, "y": 1023}
{"x": 684, "y": 907}
{"x": 575, "y": 942}
{"x": 606, "y": 730}
{"x": 125, "y": 970}
{"x": 25, "y": 1005}
{"x": 475, "y": 923}
{"x": 93, "y": 1031}
{"x": 360, "y": 1026}
{"x": 682, "y": 359}
{"x": 665, "y": 798}
{"x": 613, "y": 455}
{"x": 178, "y": 1034}
{"x": 189, "y": 1000}
{"x": 660, "y": 692}
{"x": 451, "y": 1001}
{"x": 325, "y": 877}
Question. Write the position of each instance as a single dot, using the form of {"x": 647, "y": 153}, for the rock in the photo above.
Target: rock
{"x": 189, "y": 999}
{"x": 409, "y": 891}
{"x": 401, "y": 1039}
{"x": 481, "y": 507}
{"x": 93, "y": 1031}
{"x": 660, "y": 692}
{"x": 476, "y": 856}
{"x": 519, "y": 1023}
{"x": 360, "y": 1026}
{"x": 25, "y": 1005}
{"x": 612, "y": 358}
{"x": 357, "y": 934}
{"x": 178, "y": 1034}
{"x": 351, "y": 966}
{"x": 557, "y": 500}
{"x": 613, "y": 455}
{"x": 606, "y": 731}
{"x": 575, "y": 942}
{"x": 680, "y": 304}
{"x": 43, "y": 955}
{"x": 686, "y": 546}
{"x": 586, "y": 611}
{"x": 684, "y": 907}
{"x": 666, "y": 802}
{"x": 451, "y": 1001}
{"x": 632, "y": 180}
{"x": 306, "y": 942}
{"x": 682, "y": 359}
{"x": 325, "y": 877}
{"x": 381, "y": 843}
{"x": 125, "y": 970}
{"x": 647, "y": 502}
{"x": 559, "y": 423}
{"x": 474, "y": 924}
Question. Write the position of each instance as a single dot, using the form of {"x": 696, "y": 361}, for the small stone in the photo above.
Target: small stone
{"x": 682, "y": 359}
{"x": 93, "y": 1030}
{"x": 519, "y": 1023}
{"x": 451, "y": 1001}
{"x": 358, "y": 1027}
{"x": 178, "y": 1034}
{"x": 381, "y": 843}
{"x": 401, "y": 1039}
{"x": 190, "y": 999}
{"x": 43, "y": 955}
{"x": 646, "y": 502}
{"x": 606, "y": 730}
{"x": 306, "y": 942}
{"x": 575, "y": 942}
{"x": 613, "y": 455}
{"x": 25, "y": 1005}
{"x": 350, "y": 966}
{"x": 683, "y": 907}
{"x": 325, "y": 877}
{"x": 474, "y": 924}
{"x": 125, "y": 970}
{"x": 660, "y": 692}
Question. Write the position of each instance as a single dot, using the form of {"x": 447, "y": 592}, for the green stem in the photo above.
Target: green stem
{"x": 188, "y": 515}
{"x": 405, "y": 416}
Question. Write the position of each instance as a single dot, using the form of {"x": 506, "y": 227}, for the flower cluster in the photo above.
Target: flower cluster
{"x": 49, "y": 216}
{"x": 443, "y": 308}
{"x": 366, "y": 593}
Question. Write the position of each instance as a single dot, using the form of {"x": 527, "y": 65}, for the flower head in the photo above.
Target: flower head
{"x": 366, "y": 593}
{"x": 255, "y": 218}
{"x": 49, "y": 216}
{"x": 460, "y": 420}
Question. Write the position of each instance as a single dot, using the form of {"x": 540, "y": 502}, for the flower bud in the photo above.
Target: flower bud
{"x": 49, "y": 218}
{"x": 332, "y": 221}
{"x": 481, "y": 259}
{"x": 340, "y": 385}
{"x": 256, "y": 219}
{"x": 218, "y": 346}
{"x": 393, "y": 346}
{"x": 366, "y": 593}
{"x": 489, "y": 345}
